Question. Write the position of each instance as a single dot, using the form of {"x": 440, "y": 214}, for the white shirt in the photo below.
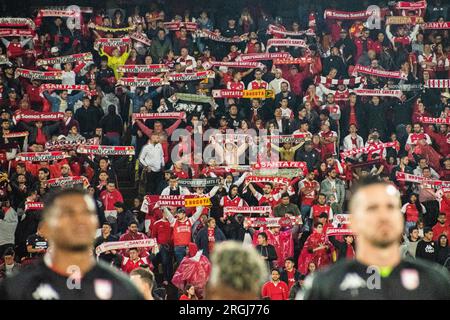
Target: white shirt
{"x": 152, "y": 156}
{"x": 275, "y": 85}
{"x": 189, "y": 67}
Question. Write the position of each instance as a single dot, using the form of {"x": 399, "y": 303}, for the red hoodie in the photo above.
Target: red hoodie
{"x": 109, "y": 198}
{"x": 275, "y": 292}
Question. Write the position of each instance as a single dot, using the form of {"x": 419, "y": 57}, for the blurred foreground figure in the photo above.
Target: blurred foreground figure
{"x": 378, "y": 272}
{"x": 69, "y": 270}
{"x": 238, "y": 272}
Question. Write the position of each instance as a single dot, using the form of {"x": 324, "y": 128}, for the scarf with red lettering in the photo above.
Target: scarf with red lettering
{"x": 298, "y": 43}
{"x": 17, "y": 22}
{"x": 366, "y": 150}
{"x": 267, "y": 179}
{"x": 348, "y": 82}
{"x": 139, "y": 68}
{"x": 401, "y": 176}
{"x": 261, "y": 210}
{"x": 279, "y": 165}
{"x": 142, "y": 82}
{"x": 378, "y": 73}
{"x": 106, "y": 150}
{"x": 113, "y": 30}
{"x": 29, "y": 116}
{"x": 17, "y": 33}
{"x": 274, "y": 30}
{"x": 214, "y": 37}
{"x": 431, "y": 120}
{"x": 77, "y": 87}
{"x": 112, "y": 42}
{"x": 119, "y": 245}
{"x": 247, "y": 94}
{"x": 404, "y": 20}
{"x": 263, "y": 56}
{"x": 33, "y": 206}
{"x": 38, "y": 75}
{"x": 233, "y": 64}
{"x": 302, "y": 61}
{"x": 165, "y": 201}
{"x": 176, "y": 25}
{"x": 195, "y": 183}
{"x": 338, "y": 232}
{"x": 379, "y": 93}
{"x": 272, "y": 222}
{"x": 77, "y": 57}
{"x": 68, "y": 182}
{"x": 11, "y": 135}
{"x": 162, "y": 115}
{"x": 41, "y": 156}
{"x": 231, "y": 138}
{"x": 349, "y": 15}
{"x": 141, "y": 38}
{"x": 438, "y": 83}
{"x": 191, "y": 76}
{"x": 436, "y": 25}
{"x": 82, "y": 9}
{"x": 289, "y": 138}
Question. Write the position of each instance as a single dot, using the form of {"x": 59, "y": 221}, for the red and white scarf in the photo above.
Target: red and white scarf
{"x": 78, "y": 57}
{"x": 263, "y": 56}
{"x": 404, "y": 20}
{"x": 378, "y": 73}
{"x": 401, "y": 176}
{"x": 191, "y": 76}
{"x": 233, "y": 64}
{"x": 154, "y": 116}
{"x": 17, "y": 22}
{"x": 430, "y": 120}
{"x": 106, "y": 150}
{"x": 274, "y": 30}
{"x": 68, "y": 181}
{"x": 66, "y": 13}
{"x": 302, "y": 61}
{"x": 82, "y": 9}
{"x": 38, "y": 75}
{"x": 12, "y": 135}
{"x": 348, "y": 82}
{"x": 406, "y": 5}
{"x": 289, "y": 138}
{"x": 298, "y": 43}
{"x": 267, "y": 179}
{"x": 17, "y": 33}
{"x": 121, "y": 245}
{"x": 348, "y": 15}
{"x": 379, "y": 93}
{"x": 272, "y": 222}
{"x": 140, "y": 68}
{"x": 214, "y": 37}
{"x": 112, "y": 42}
{"x": 231, "y": 211}
{"x": 438, "y": 83}
{"x": 77, "y": 87}
{"x": 338, "y": 232}
{"x": 176, "y": 25}
{"x": 29, "y": 116}
{"x": 142, "y": 82}
{"x": 33, "y": 206}
{"x": 279, "y": 165}
{"x": 41, "y": 156}
{"x": 366, "y": 150}
{"x": 141, "y": 38}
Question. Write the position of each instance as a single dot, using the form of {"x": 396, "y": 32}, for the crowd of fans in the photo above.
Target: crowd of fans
{"x": 321, "y": 104}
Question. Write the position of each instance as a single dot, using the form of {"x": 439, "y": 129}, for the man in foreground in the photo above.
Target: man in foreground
{"x": 378, "y": 271}
{"x": 69, "y": 271}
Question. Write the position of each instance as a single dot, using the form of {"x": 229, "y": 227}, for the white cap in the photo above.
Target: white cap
{"x": 54, "y": 50}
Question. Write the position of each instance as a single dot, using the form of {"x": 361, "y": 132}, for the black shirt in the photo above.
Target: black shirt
{"x": 351, "y": 280}
{"x": 39, "y": 282}
{"x": 426, "y": 250}
{"x": 36, "y": 242}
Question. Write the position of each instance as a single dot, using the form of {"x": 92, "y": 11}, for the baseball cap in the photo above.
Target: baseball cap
{"x": 54, "y": 50}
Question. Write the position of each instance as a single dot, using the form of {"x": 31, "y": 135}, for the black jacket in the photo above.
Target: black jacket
{"x": 88, "y": 118}
{"x": 269, "y": 252}
{"x": 202, "y": 239}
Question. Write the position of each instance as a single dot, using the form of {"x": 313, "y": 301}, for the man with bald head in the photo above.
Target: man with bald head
{"x": 69, "y": 270}
{"x": 378, "y": 272}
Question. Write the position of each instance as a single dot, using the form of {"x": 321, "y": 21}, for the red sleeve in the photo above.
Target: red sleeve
{"x": 264, "y": 291}
{"x": 286, "y": 291}
{"x": 79, "y": 67}
{"x": 165, "y": 147}
{"x": 172, "y": 128}
{"x": 147, "y": 131}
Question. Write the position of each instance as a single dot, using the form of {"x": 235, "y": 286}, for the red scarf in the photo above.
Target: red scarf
{"x": 211, "y": 240}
